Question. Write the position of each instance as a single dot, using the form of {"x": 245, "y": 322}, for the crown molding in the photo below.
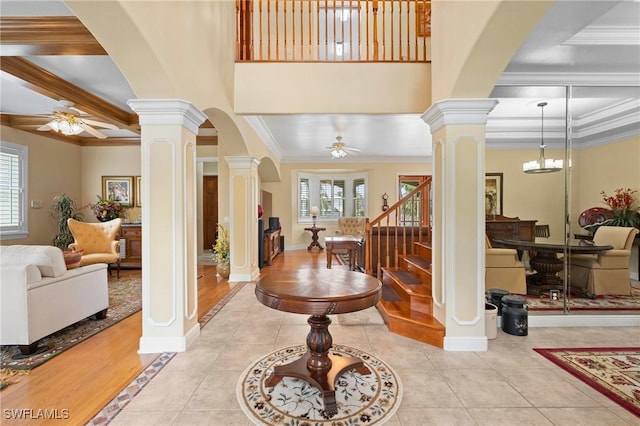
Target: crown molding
{"x": 606, "y": 36}
{"x": 567, "y": 79}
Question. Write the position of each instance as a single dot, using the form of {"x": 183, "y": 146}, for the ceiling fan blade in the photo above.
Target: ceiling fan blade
{"x": 93, "y": 131}
{"x": 352, "y": 149}
{"x": 100, "y": 124}
{"x": 45, "y": 127}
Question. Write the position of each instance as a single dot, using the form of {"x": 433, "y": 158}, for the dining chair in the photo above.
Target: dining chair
{"x": 97, "y": 241}
{"x": 503, "y": 269}
{"x": 606, "y": 272}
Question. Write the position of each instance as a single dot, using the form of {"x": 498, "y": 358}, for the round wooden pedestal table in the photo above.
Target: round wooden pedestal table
{"x": 318, "y": 293}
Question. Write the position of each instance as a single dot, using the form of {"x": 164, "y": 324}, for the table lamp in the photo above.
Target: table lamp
{"x": 315, "y": 211}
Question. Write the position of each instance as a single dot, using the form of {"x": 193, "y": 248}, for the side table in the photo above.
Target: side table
{"x": 342, "y": 242}
{"x": 318, "y": 293}
{"x": 314, "y": 237}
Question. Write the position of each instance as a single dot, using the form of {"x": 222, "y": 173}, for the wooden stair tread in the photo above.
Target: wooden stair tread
{"x": 409, "y": 282}
{"x": 399, "y": 310}
{"x": 418, "y": 261}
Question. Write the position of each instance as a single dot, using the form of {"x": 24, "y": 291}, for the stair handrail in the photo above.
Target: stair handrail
{"x": 399, "y": 230}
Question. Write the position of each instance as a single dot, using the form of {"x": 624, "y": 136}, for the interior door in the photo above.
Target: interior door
{"x": 210, "y": 210}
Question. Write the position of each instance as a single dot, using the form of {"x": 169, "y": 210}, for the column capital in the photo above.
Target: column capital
{"x": 159, "y": 112}
{"x": 458, "y": 112}
{"x": 242, "y": 162}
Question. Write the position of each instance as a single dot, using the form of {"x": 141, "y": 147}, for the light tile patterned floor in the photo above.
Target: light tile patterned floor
{"x": 508, "y": 385}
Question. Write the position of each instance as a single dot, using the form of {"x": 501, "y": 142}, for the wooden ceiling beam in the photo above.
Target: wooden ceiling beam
{"x": 46, "y": 35}
{"x": 48, "y": 84}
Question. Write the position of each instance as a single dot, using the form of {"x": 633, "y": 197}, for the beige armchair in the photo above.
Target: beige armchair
{"x": 504, "y": 270}
{"x": 606, "y": 272}
{"x": 351, "y": 226}
{"x": 97, "y": 242}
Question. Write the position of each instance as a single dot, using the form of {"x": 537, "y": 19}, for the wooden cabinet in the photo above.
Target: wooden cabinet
{"x": 131, "y": 246}
{"x": 271, "y": 244}
{"x": 510, "y": 228}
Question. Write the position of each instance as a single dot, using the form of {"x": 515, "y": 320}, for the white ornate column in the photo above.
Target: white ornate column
{"x": 169, "y": 224}
{"x": 244, "y": 184}
{"x": 458, "y": 135}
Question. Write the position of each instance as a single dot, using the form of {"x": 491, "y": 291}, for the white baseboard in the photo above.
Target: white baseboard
{"x": 466, "y": 344}
{"x": 573, "y": 320}
{"x": 158, "y": 345}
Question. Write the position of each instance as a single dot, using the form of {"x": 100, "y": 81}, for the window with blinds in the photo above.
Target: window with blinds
{"x": 13, "y": 163}
{"x": 335, "y": 196}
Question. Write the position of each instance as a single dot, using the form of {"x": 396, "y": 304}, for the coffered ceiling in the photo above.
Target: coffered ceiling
{"x": 47, "y": 55}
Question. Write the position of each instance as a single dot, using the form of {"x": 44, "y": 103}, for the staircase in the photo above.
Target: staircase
{"x": 403, "y": 264}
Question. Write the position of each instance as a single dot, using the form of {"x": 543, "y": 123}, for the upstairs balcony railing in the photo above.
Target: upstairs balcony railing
{"x": 333, "y": 30}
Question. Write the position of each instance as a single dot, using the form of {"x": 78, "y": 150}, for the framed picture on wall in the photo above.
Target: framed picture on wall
{"x": 493, "y": 194}
{"x": 118, "y": 188}
{"x": 138, "y": 192}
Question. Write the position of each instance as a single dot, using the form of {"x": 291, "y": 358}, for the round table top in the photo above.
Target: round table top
{"x": 318, "y": 291}
{"x": 575, "y": 246}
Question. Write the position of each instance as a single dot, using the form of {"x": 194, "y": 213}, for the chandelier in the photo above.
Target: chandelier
{"x": 542, "y": 164}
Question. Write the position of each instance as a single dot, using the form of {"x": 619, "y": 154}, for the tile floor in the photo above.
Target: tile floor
{"x": 510, "y": 384}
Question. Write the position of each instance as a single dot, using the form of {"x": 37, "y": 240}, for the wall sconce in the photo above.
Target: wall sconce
{"x": 385, "y": 205}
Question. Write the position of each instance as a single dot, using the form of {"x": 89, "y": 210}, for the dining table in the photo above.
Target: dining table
{"x": 545, "y": 260}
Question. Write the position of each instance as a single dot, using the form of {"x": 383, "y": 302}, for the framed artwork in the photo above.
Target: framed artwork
{"x": 423, "y": 19}
{"x": 493, "y": 194}
{"x": 118, "y": 188}
{"x": 138, "y": 192}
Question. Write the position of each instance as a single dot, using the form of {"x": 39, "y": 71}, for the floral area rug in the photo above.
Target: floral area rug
{"x": 614, "y": 372}
{"x": 370, "y": 399}
{"x": 125, "y": 299}
{"x": 606, "y": 303}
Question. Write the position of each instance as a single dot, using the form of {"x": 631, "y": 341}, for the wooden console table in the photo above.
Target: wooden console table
{"x": 314, "y": 237}
{"x": 131, "y": 247}
{"x": 271, "y": 245}
{"x": 318, "y": 293}
{"x": 511, "y": 228}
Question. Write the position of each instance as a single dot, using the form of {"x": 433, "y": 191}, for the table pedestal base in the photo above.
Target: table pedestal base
{"x": 317, "y": 366}
{"x": 547, "y": 266}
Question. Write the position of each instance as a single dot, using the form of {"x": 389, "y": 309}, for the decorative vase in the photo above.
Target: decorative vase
{"x": 223, "y": 269}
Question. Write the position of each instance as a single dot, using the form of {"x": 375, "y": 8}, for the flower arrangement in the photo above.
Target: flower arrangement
{"x": 621, "y": 205}
{"x": 222, "y": 248}
{"x": 107, "y": 209}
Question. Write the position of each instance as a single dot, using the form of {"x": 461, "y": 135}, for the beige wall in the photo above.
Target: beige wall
{"x": 382, "y": 178}
{"x": 54, "y": 168}
{"x": 108, "y": 161}
{"x": 537, "y": 196}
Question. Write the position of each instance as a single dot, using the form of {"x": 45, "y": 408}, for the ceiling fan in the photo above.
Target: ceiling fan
{"x": 339, "y": 149}
{"x": 67, "y": 120}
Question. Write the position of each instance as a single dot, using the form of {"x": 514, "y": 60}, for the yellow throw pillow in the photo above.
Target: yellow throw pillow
{"x": 72, "y": 258}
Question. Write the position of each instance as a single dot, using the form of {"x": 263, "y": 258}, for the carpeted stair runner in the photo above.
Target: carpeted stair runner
{"x": 388, "y": 295}
{"x": 406, "y": 277}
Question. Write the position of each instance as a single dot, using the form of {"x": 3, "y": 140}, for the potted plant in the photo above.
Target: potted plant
{"x": 63, "y": 208}
{"x": 107, "y": 209}
{"x": 622, "y": 210}
{"x": 222, "y": 252}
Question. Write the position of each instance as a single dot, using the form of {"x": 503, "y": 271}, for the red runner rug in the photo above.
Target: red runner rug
{"x": 614, "y": 372}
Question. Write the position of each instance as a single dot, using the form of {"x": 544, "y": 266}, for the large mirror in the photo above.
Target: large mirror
{"x": 576, "y": 142}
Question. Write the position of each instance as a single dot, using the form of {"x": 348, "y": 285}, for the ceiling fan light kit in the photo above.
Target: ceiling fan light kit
{"x": 542, "y": 164}
{"x": 67, "y": 121}
{"x": 339, "y": 149}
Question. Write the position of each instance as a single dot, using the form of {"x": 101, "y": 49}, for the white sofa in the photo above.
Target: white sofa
{"x": 39, "y": 296}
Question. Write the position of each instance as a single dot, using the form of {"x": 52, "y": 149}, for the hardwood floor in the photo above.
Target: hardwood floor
{"x": 79, "y": 382}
